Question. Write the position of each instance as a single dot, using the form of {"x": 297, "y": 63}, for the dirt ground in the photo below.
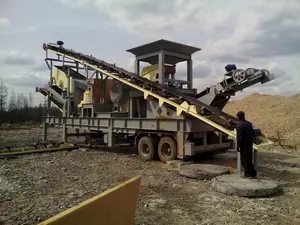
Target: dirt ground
{"x": 36, "y": 187}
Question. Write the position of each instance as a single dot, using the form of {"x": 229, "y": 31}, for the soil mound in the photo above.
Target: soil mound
{"x": 277, "y": 116}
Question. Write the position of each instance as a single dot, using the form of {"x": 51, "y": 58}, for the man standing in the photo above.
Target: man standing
{"x": 244, "y": 142}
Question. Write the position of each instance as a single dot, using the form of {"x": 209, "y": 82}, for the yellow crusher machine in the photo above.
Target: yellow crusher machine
{"x": 154, "y": 109}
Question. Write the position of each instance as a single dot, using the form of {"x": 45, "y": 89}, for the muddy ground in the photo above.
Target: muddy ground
{"x": 36, "y": 187}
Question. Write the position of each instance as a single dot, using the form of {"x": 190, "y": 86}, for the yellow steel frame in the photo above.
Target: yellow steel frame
{"x": 150, "y": 72}
{"x": 184, "y": 107}
{"x": 112, "y": 207}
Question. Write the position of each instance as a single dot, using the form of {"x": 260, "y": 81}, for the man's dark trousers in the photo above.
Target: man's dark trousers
{"x": 246, "y": 160}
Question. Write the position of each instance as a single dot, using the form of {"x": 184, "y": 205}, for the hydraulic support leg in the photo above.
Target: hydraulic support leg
{"x": 239, "y": 167}
{"x": 65, "y": 133}
{"x": 45, "y": 128}
{"x": 65, "y": 129}
{"x": 110, "y": 137}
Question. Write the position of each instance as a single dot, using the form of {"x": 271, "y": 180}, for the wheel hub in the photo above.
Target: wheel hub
{"x": 166, "y": 150}
{"x": 145, "y": 150}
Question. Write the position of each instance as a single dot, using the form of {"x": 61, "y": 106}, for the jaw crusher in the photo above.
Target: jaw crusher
{"x": 150, "y": 108}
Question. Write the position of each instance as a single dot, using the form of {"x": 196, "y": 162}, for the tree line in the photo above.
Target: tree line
{"x": 19, "y": 107}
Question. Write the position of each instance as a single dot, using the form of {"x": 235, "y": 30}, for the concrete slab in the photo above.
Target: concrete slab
{"x": 226, "y": 156}
{"x": 175, "y": 164}
{"x": 234, "y": 184}
{"x": 178, "y": 162}
{"x": 202, "y": 171}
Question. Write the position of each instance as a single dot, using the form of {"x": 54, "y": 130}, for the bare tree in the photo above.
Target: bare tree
{"x": 3, "y": 96}
{"x": 22, "y": 101}
{"x": 30, "y": 105}
{"x": 30, "y": 100}
{"x": 25, "y": 101}
{"x": 19, "y": 102}
{"x": 12, "y": 101}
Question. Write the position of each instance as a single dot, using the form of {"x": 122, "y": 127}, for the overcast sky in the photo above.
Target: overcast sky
{"x": 257, "y": 33}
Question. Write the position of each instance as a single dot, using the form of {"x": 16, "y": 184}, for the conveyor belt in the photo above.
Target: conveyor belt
{"x": 156, "y": 90}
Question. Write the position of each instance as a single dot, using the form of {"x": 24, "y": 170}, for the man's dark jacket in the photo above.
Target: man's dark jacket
{"x": 244, "y": 133}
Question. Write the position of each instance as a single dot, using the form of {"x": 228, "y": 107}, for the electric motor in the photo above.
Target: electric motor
{"x": 230, "y": 67}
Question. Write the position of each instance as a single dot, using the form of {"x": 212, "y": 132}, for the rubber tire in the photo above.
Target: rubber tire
{"x": 151, "y": 144}
{"x": 172, "y": 143}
